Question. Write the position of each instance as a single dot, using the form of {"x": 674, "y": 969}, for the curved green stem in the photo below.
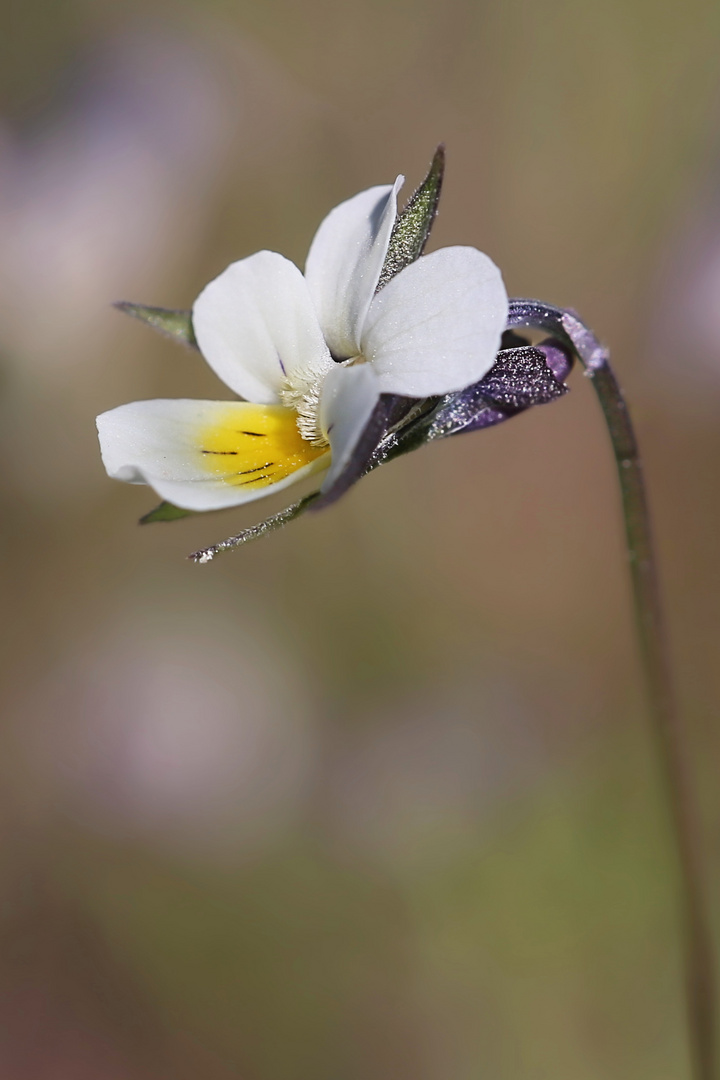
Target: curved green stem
{"x": 699, "y": 961}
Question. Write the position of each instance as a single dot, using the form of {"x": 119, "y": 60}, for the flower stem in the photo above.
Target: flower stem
{"x": 698, "y": 945}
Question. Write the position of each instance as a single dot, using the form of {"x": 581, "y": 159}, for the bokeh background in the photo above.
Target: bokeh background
{"x": 374, "y": 797}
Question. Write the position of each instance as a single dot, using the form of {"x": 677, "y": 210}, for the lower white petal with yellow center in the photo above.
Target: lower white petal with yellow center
{"x": 207, "y": 455}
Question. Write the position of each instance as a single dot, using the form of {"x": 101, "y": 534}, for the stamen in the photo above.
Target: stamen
{"x": 301, "y": 392}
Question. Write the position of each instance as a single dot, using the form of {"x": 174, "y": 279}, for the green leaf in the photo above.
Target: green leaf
{"x": 174, "y": 324}
{"x": 413, "y": 224}
{"x": 165, "y": 512}
{"x": 277, "y": 521}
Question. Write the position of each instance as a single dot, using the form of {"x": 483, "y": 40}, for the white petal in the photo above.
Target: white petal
{"x": 349, "y": 396}
{"x": 344, "y": 263}
{"x": 436, "y": 327}
{"x": 165, "y": 444}
{"x": 256, "y": 323}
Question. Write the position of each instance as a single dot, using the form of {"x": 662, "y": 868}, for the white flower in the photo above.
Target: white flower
{"x": 310, "y": 356}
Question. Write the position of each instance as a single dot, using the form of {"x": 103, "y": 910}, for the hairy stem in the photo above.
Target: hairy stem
{"x": 698, "y": 945}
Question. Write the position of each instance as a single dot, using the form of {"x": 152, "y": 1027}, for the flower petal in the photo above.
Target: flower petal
{"x": 344, "y": 264}
{"x": 207, "y": 455}
{"x": 349, "y": 397}
{"x": 255, "y": 324}
{"x": 436, "y": 327}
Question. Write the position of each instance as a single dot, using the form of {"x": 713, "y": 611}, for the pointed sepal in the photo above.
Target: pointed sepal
{"x": 413, "y": 224}
{"x": 165, "y": 512}
{"x": 173, "y": 324}
{"x": 271, "y": 524}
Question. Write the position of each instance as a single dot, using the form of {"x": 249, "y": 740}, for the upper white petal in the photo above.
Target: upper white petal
{"x": 344, "y": 264}
{"x": 256, "y": 323}
{"x": 436, "y": 327}
{"x": 349, "y": 396}
{"x": 158, "y": 443}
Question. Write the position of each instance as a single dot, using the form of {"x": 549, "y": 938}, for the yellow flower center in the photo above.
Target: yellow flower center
{"x": 256, "y": 445}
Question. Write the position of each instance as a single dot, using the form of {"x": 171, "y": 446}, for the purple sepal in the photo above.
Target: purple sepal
{"x": 522, "y": 376}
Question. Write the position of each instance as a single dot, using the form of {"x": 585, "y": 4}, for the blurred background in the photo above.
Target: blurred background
{"x": 377, "y": 796}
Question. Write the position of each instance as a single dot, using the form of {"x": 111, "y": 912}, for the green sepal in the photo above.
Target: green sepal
{"x": 173, "y": 324}
{"x": 413, "y": 224}
{"x": 165, "y": 512}
{"x": 276, "y": 521}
